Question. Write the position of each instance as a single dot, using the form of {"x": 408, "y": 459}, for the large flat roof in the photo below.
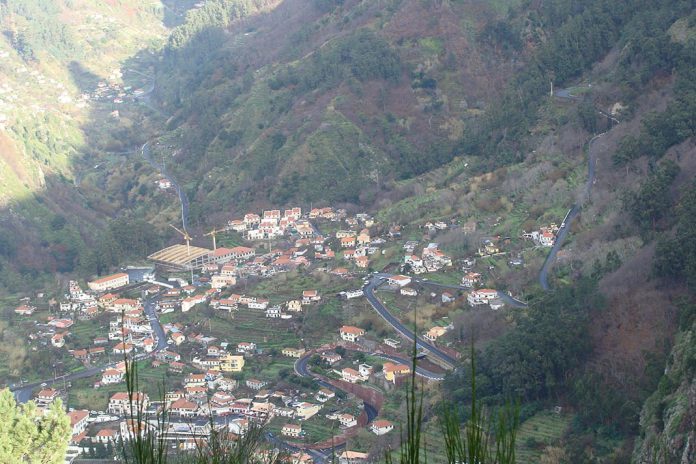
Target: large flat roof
{"x": 179, "y": 255}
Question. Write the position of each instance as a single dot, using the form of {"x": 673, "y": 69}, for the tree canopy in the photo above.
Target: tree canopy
{"x": 26, "y": 435}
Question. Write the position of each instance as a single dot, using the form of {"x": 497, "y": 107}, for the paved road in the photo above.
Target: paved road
{"x": 322, "y": 456}
{"x": 510, "y": 301}
{"x": 302, "y": 369}
{"x": 369, "y": 289}
{"x": 575, "y": 210}
{"x": 183, "y": 199}
{"x": 24, "y": 392}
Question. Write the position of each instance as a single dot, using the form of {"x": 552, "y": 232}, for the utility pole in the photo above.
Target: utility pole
{"x": 551, "y": 88}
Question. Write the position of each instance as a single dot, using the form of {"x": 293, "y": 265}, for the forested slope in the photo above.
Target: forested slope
{"x": 53, "y": 57}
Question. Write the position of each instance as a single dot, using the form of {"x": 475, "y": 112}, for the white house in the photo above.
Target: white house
{"x": 399, "y": 280}
{"x": 310, "y": 296}
{"x": 273, "y": 312}
{"x": 291, "y": 430}
{"x": 347, "y": 420}
{"x": 111, "y": 376}
{"x": 483, "y": 296}
{"x": 381, "y": 427}
{"x": 350, "y": 294}
{"x": 260, "y": 303}
{"x": 471, "y": 279}
{"x": 350, "y": 375}
{"x": 350, "y": 333}
{"x": 408, "y": 291}
{"x": 109, "y": 282}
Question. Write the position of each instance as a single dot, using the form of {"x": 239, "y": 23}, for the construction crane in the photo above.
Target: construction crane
{"x": 213, "y": 233}
{"x": 186, "y": 236}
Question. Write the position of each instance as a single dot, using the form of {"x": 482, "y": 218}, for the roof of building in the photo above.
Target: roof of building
{"x": 77, "y": 415}
{"x": 382, "y": 423}
{"x": 108, "y": 278}
{"x": 179, "y": 255}
{"x": 349, "y": 329}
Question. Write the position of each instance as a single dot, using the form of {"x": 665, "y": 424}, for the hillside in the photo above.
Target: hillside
{"x": 498, "y": 117}
{"x": 65, "y": 69}
{"x": 360, "y": 92}
{"x": 449, "y": 118}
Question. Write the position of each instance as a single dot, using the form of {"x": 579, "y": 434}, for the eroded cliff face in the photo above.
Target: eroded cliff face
{"x": 668, "y": 419}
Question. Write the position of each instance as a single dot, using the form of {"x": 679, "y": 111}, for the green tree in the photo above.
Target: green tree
{"x": 652, "y": 201}
{"x": 676, "y": 257}
{"x": 28, "y": 436}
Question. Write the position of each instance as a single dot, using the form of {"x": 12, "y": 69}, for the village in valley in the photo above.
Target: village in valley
{"x": 295, "y": 320}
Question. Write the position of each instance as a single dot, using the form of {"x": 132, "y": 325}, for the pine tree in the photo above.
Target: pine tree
{"x": 28, "y": 436}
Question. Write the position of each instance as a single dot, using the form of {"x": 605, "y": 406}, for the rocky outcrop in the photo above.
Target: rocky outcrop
{"x": 668, "y": 419}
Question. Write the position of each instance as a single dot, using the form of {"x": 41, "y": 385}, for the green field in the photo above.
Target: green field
{"x": 537, "y": 432}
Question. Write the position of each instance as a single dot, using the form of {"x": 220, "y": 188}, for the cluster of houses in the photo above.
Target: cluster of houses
{"x": 545, "y": 236}
{"x": 432, "y": 259}
{"x": 272, "y": 224}
{"x": 485, "y": 296}
{"x": 233, "y": 301}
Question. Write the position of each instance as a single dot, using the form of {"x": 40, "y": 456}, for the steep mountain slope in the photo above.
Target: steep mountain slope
{"x": 417, "y": 110}
{"x": 326, "y": 100}
{"x": 61, "y": 77}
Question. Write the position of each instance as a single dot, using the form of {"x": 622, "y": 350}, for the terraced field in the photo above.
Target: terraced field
{"x": 252, "y": 326}
{"x": 537, "y": 432}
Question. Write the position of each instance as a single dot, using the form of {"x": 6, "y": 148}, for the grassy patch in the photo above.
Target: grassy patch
{"x": 537, "y": 432}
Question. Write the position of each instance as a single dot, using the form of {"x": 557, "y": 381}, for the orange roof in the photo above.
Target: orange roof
{"x": 391, "y": 367}
{"x": 77, "y": 416}
{"x": 241, "y": 249}
{"x": 349, "y": 329}
{"x": 183, "y": 403}
{"x": 47, "y": 393}
{"x": 222, "y": 251}
{"x": 109, "y": 278}
{"x": 123, "y": 396}
{"x": 382, "y": 423}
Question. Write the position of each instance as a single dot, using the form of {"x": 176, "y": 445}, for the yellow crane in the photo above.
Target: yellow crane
{"x": 186, "y": 236}
{"x": 213, "y": 233}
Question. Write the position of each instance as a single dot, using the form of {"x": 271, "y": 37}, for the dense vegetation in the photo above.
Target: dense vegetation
{"x": 362, "y": 55}
{"x": 548, "y": 345}
{"x": 122, "y": 239}
{"x": 28, "y": 436}
{"x": 37, "y": 29}
{"x": 676, "y": 256}
{"x": 583, "y": 33}
{"x": 193, "y": 47}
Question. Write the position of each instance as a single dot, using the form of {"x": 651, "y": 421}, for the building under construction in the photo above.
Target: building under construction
{"x": 182, "y": 257}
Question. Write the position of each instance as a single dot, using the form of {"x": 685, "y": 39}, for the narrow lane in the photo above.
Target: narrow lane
{"x": 502, "y": 295}
{"x": 576, "y": 208}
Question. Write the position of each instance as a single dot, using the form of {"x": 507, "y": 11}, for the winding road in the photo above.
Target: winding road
{"x": 369, "y": 290}
{"x": 510, "y": 301}
{"x": 577, "y": 207}
{"x": 23, "y": 393}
